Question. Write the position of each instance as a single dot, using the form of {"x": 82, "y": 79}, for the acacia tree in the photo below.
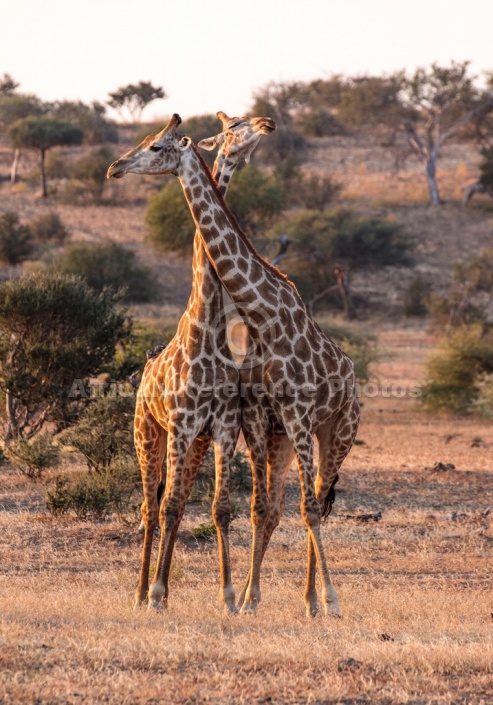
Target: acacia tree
{"x": 445, "y": 99}
{"x": 135, "y": 97}
{"x": 8, "y": 85}
{"x": 42, "y": 133}
{"x": 14, "y": 106}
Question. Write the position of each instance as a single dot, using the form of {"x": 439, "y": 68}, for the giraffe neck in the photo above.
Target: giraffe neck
{"x": 206, "y": 299}
{"x": 258, "y": 290}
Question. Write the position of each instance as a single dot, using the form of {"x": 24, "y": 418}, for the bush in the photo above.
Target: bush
{"x": 416, "y": 298}
{"x": 240, "y": 478}
{"x": 454, "y": 309}
{"x": 456, "y": 373}
{"x": 15, "y": 239}
{"x": 48, "y": 229}
{"x": 204, "y": 531}
{"x": 320, "y": 240}
{"x": 91, "y": 170}
{"x": 108, "y": 265}
{"x": 96, "y": 495}
{"x": 90, "y": 118}
{"x": 104, "y": 430}
{"x": 170, "y": 225}
{"x": 54, "y": 330}
{"x": 32, "y": 459}
{"x": 254, "y": 198}
{"x": 362, "y": 242}
{"x": 131, "y": 355}
{"x": 317, "y": 192}
{"x": 477, "y": 272}
{"x": 320, "y": 123}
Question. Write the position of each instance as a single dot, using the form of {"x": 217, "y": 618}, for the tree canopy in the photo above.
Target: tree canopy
{"x": 42, "y": 133}
{"x": 134, "y": 98}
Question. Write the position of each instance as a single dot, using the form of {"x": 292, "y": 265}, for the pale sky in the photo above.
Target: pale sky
{"x": 210, "y": 55}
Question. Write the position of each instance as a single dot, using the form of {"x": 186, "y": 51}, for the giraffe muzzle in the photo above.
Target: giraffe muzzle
{"x": 116, "y": 170}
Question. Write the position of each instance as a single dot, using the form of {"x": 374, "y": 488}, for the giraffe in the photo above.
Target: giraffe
{"x": 200, "y": 402}
{"x": 297, "y": 384}
{"x": 280, "y": 452}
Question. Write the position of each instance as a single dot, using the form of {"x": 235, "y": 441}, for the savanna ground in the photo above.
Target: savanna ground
{"x": 414, "y": 586}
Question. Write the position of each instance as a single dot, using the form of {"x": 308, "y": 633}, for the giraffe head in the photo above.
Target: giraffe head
{"x": 156, "y": 154}
{"x": 239, "y": 137}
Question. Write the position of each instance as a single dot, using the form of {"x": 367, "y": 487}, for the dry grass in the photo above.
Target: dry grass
{"x": 415, "y": 587}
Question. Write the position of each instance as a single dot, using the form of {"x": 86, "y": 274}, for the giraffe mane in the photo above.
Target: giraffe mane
{"x": 234, "y": 222}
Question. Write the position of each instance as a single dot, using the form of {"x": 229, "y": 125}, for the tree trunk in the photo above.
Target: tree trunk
{"x": 432, "y": 181}
{"x": 44, "y": 190}
{"x": 475, "y": 188}
{"x": 10, "y": 427}
{"x": 343, "y": 286}
{"x": 15, "y": 166}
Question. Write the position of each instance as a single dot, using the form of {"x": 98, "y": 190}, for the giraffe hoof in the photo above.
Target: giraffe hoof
{"x": 333, "y": 610}
{"x": 249, "y": 608}
{"x": 312, "y": 611}
{"x": 156, "y": 605}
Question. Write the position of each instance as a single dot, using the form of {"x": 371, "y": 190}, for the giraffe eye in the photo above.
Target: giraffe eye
{"x": 233, "y": 125}
{"x": 155, "y": 148}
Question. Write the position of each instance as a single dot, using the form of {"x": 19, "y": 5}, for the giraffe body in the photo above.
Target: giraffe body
{"x": 296, "y": 381}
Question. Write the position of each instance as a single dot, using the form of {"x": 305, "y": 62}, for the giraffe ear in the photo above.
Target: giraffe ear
{"x": 184, "y": 143}
{"x": 209, "y": 143}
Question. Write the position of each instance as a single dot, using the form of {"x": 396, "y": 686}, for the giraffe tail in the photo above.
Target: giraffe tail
{"x": 328, "y": 501}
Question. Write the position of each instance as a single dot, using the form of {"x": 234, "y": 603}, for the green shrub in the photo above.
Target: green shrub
{"x": 91, "y": 170}
{"x": 316, "y": 192}
{"x": 240, "y": 478}
{"x": 100, "y": 495}
{"x": 255, "y": 199}
{"x": 33, "y": 458}
{"x": 319, "y": 123}
{"x": 49, "y": 228}
{"x": 54, "y": 330}
{"x": 363, "y": 242}
{"x": 104, "y": 430}
{"x": 204, "y": 531}
{"x": 417, "y": 297}
{"x": 456, "y": 373}
{"x": 169, "y": 223}
{"x": 16, "y": 242}
{"x": 476, "y": 271}
{"x": 322, "y": 239}
{"x": 108, "y": 265}
{"x": 483, "y": 404}
{"x": 454, "y": 309}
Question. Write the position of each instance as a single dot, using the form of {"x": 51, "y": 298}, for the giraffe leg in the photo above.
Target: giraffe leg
{"x": 335, "y": 441}
{"x": 259, "y": 511}
{"x": 311, "y": 600}
{"x": 150, "y": 445}
{"x": 221, "y": 512}
{"x": 172, "y": 508}
{"x": 279, "y": 458}
{"x": 310, "y": 511}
